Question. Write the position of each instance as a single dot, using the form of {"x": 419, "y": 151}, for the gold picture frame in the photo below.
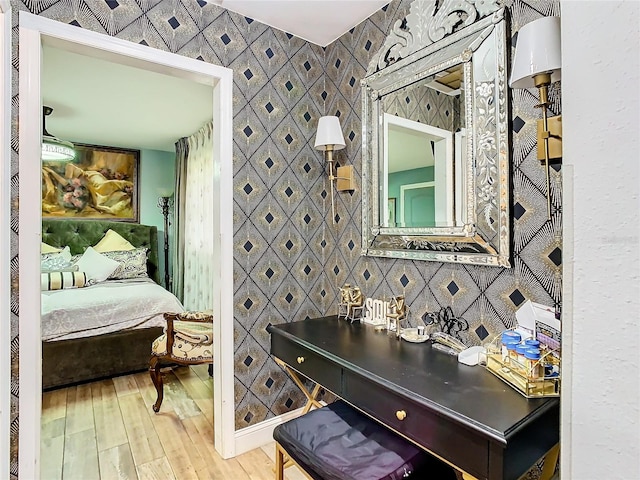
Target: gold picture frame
{"x": 100, "y": 183}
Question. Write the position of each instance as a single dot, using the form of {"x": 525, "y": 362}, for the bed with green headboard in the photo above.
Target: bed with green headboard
{"x": 104, "y": 352}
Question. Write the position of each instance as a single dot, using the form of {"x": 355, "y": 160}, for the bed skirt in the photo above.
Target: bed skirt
{"x": 67, "y": 362}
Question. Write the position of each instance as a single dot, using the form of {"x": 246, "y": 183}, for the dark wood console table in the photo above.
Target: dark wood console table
{"x": 464, "y": 415}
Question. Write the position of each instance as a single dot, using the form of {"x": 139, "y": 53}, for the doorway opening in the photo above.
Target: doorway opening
{"x": 34, "y": 33}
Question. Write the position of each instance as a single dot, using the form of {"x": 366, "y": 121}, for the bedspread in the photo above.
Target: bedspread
{"x": 107, "y": 307}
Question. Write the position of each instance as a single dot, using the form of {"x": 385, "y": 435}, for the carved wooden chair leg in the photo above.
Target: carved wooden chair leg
{"x": 156, "y": 378}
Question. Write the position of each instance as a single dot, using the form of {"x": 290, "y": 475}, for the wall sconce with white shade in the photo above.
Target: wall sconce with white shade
{"x": 54, "y": 149}
{"x": 329, "y": 138}
{"x": 537, "y": 63}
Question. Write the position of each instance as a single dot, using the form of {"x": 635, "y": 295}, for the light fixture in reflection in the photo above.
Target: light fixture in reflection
{"x": 54, "y": 149}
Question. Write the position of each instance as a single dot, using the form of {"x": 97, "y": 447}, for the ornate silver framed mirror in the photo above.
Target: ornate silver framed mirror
{"x": 435, "y": 165}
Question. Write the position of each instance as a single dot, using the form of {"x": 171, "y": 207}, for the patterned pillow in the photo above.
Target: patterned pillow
{"x": 56, "y": 262}
{"x": 133, "y": 263}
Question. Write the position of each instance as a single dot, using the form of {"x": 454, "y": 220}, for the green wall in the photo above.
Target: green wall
{"x": 407, "y": 177}
{"x": 417, "y": 175}
{"x": 157, "y": 172}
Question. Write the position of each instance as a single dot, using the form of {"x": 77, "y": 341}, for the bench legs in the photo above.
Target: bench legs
{"x": 283, "y": 461}
{"x": 311, "y": 396}
{"x": 550, "y": 462}
{"x": 279, "y": 462}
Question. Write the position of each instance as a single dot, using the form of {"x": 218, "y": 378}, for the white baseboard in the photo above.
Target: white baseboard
{"x": 256, "y": 436}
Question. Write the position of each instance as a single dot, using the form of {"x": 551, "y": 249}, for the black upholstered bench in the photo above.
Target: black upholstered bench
{"x": 337, "y": 442}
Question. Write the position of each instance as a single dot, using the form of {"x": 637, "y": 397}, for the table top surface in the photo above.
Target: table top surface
{"x": 435, "y": 380}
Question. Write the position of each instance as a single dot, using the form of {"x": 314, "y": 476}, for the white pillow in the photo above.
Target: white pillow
{"x": 111, "y": 242}
{"x": 96, "y": 266}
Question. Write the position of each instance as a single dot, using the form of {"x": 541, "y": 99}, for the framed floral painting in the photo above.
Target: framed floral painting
{"x": 99, "y": 183}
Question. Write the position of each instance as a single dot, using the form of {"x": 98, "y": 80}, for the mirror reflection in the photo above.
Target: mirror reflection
{"x": 423, "y": 125}
{"x": 435, "y": 138}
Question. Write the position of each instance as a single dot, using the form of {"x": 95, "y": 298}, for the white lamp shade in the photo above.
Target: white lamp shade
{"x": 329, "y": 133}
{"x": 165, "y": 192}
{"x": 537, "y": 51}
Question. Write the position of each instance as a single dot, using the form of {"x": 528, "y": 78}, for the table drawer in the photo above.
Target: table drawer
{"x": 308, "y": 363}
{"x": 461, "y": 447}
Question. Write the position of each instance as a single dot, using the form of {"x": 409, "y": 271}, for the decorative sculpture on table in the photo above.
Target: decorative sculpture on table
{"x": 351, "y": 302}
{"x": 343, "y": 301}
{"x": 445, "y": 321}
{"x": 396, "y": 313}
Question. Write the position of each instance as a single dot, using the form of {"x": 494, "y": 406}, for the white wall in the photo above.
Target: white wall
{"x": 601, "y": 105}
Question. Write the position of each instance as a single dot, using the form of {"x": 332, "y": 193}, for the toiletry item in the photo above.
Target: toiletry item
{"x": 505, "y": 348}
{"x": 532, "y": 356}
{"x": 532, "y": 342}
{"x": 511, "y": 335}
{"x": 448, "y": 340}
{"x": 511, "y": 350}
{"x": 472, "y": 355}
{"x": 520, "y": 359}
{"x": 443, "y": 348}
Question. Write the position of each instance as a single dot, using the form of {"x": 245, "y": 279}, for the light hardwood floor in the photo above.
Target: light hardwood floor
{"x": 107, "y": 430}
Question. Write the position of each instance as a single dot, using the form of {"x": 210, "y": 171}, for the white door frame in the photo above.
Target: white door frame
{"x": 443, "y": 167}
{"x": 34, "y": 30}
{"x": 5, "y": 236}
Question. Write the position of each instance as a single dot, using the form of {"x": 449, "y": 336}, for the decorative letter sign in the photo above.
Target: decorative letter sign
{"x": 375, "y": 311}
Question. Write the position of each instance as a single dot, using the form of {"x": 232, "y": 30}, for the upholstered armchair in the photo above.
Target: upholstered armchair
{"x": 187, "y": 340}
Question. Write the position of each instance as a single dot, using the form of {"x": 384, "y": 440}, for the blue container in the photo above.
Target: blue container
{"x": 534, "y": 369}
{"x": 532, "y": 342}
{"x": 511, "y": 335}
{"x": 532, "y": 353}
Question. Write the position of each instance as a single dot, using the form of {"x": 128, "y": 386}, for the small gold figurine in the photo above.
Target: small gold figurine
{"x": 355, "y": 303}
{"x": 351, "y": 302}
{"x": 396, "y": 313}
{"x": 343, "y": 303}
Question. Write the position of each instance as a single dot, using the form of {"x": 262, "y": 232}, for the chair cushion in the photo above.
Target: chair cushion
{"x": 193, "y": 341}
{"x": 337, "y": 442}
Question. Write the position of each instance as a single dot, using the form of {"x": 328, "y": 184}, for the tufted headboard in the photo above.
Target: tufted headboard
{"x": 80, "y": 234}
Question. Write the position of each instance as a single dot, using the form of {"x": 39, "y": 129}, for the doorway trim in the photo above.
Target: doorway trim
{"x": 34, "y": 31}
{"x": 5, "y": 238}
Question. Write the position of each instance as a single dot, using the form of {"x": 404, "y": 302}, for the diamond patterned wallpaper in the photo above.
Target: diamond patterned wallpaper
{"x": 425, "y": 105}
{"x": 289, "y": 258}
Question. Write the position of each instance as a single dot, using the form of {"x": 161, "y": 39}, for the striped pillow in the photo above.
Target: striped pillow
{"x": 60, "y": 280}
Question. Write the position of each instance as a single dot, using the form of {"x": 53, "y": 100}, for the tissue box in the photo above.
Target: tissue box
{"x": 541, "y": 321}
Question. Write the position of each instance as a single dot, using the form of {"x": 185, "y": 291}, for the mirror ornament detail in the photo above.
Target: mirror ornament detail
{"x": 424, "y": 26}
{"x": 430, "y": 43}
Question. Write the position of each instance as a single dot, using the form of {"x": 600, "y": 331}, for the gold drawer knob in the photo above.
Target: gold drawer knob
{"x": 300, "y": 359}
{"x": 401, "y": 415}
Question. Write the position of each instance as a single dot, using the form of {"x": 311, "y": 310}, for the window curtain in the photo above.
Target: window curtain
{"x": 193, "y": 222}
